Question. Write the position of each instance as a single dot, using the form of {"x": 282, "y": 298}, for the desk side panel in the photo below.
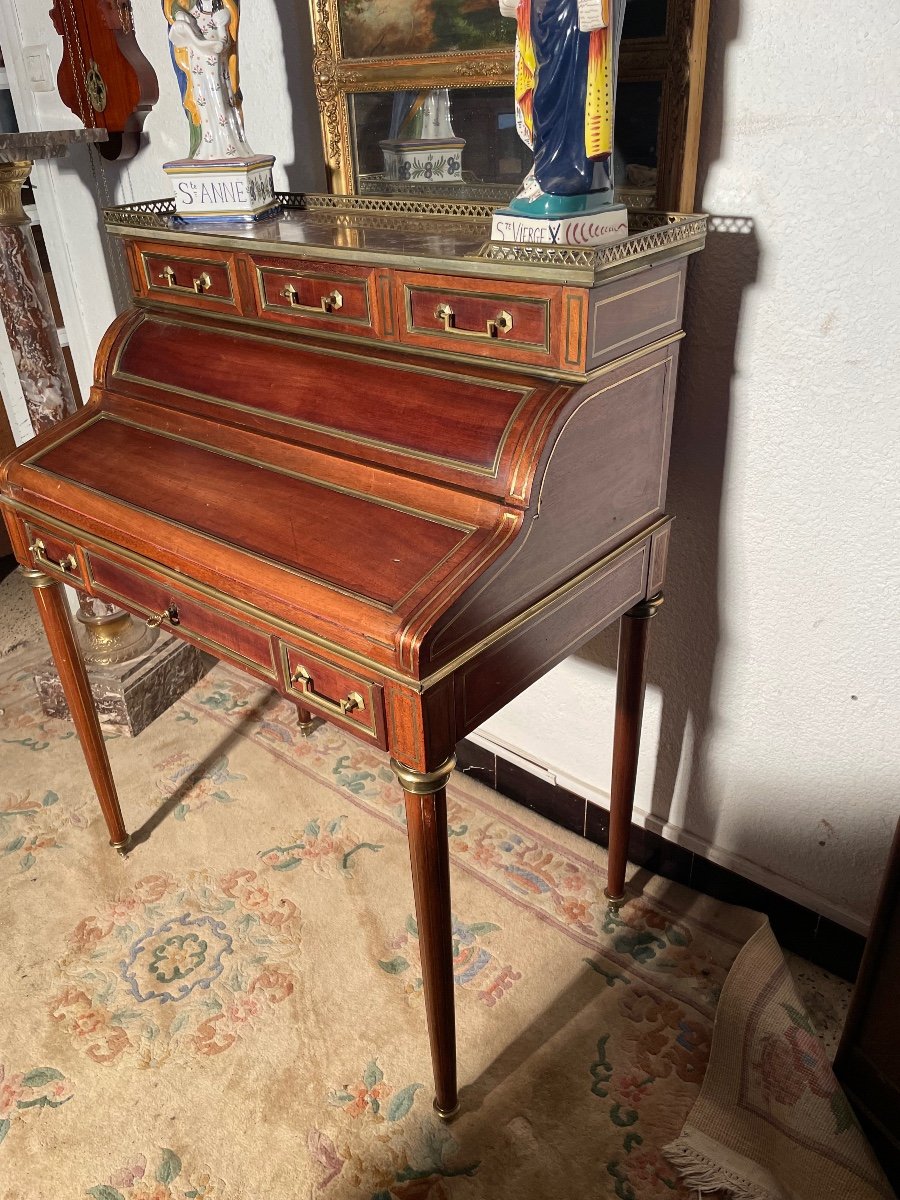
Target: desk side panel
{"x": 601, "y": 483}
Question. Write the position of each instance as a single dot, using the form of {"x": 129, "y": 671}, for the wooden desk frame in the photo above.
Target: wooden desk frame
{"x": 514, "y": 597}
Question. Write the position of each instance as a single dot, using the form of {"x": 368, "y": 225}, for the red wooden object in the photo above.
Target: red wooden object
{"x": 103, "y": 77}
{"x": 397, "y": 516}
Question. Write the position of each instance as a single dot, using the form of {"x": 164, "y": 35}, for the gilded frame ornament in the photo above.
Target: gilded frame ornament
{"x": 677, "y": 61}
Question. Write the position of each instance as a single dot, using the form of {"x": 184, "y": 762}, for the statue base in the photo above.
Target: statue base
{"x": 129, "y": 696}
{"x": 598, "y": 228}
{"x": 424, "y": 160}
{"x": 225, "y": 190}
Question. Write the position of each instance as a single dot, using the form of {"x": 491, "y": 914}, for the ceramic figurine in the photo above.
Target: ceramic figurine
{"x": 221, "y": 178}
{"x": 422, "y": 147}
{"x": 565, "y": 84}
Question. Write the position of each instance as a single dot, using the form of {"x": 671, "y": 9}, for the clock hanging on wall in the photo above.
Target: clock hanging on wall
{"x": 104, "y": 78}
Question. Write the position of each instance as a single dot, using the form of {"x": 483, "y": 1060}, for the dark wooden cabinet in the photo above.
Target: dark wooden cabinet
{"x": 390, "y": 469}
{"x": 868, "y": 1059}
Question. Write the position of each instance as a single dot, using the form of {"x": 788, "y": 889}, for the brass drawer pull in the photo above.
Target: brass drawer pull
{"x": 39, "y": 550}
{"x": 327, "y": 304}
{"x": 199, "y": 285}
{"x": 169, "y": 614}
{"x": 502, "y": 323}
{"x": 341, "y": 708}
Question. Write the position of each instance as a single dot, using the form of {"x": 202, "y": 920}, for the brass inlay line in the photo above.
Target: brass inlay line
{"x": 579, "y": 640}
{"x": 369, "y": 664}
{"x": 499, "y": 298}
{"x": 353, "y": 439}
{"x": 297, "y": 571}
{"x": 535, "y": 436}
{"x": 149, "y": 306}
{"x": 343, "y": 281}
{"x": 221, "y": 649}
{"x": 534, "y": 611}
{"x": 602, "y": 392}
{"x": 594, "y": 549}
{"x": 643, "y": 332}
{"x": 188, "y": 582}
{"x": 416, "y": 621}
{"x": 188, "y": 260}
{"x": 221, "y": 452}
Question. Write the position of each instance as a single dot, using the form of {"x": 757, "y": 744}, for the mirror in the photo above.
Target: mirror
{"x": 440, "y": 71}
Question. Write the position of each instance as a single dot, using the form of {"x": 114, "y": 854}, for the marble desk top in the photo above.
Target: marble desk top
{"x": 45, "y": 143}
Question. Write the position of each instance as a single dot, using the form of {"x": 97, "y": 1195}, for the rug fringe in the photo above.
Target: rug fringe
{"x": 699, "y": 1172}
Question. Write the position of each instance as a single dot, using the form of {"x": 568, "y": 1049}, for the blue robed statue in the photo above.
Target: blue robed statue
{"x": 565, "y": 80}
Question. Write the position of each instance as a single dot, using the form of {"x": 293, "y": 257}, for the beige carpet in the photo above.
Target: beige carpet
{"x": 235, "y": 1012}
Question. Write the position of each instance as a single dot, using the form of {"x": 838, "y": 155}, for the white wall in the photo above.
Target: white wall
{"x": 771, "y": 725}
{"x": 771, "y": 732}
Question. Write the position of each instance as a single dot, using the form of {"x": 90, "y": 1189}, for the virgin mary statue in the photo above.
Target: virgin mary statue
{"x": 203, "y": 44}
{"x": 566, "y": 59}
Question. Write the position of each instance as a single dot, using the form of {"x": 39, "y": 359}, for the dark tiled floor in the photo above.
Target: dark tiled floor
{"x": 551, "y": 801}
{"x": 798, "y": 929}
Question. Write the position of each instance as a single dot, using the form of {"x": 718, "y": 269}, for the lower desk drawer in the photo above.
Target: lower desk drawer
{"x": 335, "y": 693}
{"x": 52, "y": 553}
{"x": 211, "y": 629}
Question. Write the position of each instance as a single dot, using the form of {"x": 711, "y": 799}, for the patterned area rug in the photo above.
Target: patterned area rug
{"x": 235, "y": 1011}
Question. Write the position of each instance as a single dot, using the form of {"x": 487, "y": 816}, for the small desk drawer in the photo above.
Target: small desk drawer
{"x": 173, "y": 610}
{"x": 474, "y": 318}
{"x": 53, "y": 554}
{"x": 333, "y": 692}
{"x": 314, "y": 295}
{"x": 199, "y": 281}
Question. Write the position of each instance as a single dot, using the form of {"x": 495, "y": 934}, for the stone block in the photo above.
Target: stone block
{"x": 130, "y": 695}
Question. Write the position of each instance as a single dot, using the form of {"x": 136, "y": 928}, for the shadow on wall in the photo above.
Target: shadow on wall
{"x": 685, "y": 636}
{"x": 307, "y": 172}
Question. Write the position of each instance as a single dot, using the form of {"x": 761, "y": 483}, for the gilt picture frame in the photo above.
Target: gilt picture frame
{"x": 358, "y": 48}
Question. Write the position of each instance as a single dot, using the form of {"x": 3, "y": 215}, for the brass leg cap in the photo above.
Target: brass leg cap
{"x": 122, "y": 847}
{"x": 307, "y": 728}
{"x": 615, "y": 902}
{"x": 446, "y": 1114}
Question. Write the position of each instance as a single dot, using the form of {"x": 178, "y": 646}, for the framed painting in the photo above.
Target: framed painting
{"x": 368, "y": 51}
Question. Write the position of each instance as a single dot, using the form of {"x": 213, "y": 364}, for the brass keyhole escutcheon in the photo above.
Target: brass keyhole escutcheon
{"x": 169, "y": 614}
{"x": 96, "y": 87}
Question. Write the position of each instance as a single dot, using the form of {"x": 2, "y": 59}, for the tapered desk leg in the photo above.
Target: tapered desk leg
{"x": 54, "y": 612}
{"x": 426, "y": 824}
{"x": 634, "y": 637}
{"x": 306, "y": 722}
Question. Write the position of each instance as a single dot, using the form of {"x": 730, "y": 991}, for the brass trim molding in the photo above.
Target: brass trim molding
{"x": 310, "y": 699}
{"x": 302, "y": 314}
{"x": 12, "y": 177}
{"x": 653, "y": 233}
{"x": 218, "y": 648}
{"x": 276, "y": 624}
{"x": 361, "y": 353}
{"x": 193, "y": 260}
{"x": 36, "y": 578}
{"x": 447, "y": 293}
{"x": 423, "y": 783}
{"x": 160, "y": 311}
{"x": 468, "y": 530}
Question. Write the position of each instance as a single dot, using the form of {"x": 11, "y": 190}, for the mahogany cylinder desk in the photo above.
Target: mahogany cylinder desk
{"x": 391, "y": 468}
